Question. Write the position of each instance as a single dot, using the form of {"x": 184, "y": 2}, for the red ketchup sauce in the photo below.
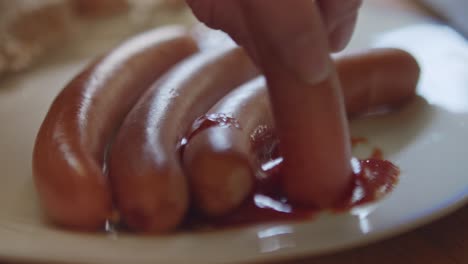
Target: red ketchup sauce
{"x": 204, "y": 122}
{"x": 373, "y": 178}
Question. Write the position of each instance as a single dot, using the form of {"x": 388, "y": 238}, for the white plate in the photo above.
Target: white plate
{"x": 427, "y": 139}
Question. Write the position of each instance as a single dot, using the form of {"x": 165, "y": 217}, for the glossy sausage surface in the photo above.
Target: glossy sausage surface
{"x": 377, "y": 78}
{"x": 150, "y": 187}
{"x": 221, "y": 160}
{"x": 70, "y": 147}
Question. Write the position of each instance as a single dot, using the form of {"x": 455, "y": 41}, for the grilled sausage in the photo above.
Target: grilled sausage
{"x": 70, "y": 147}
{"x": 220, "y": 161}
{"x": 150, "y": 187}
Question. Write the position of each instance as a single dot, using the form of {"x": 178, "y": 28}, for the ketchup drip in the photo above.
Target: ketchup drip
{"x": 358, "y": 140}
{"x": 373, "y": 178}
{"x": 377, "y": 154}
{"x": 204, "y": 122}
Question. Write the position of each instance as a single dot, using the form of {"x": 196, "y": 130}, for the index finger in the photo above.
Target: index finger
{"x": 292, "y": 31}
{"x": 292, "y": 48}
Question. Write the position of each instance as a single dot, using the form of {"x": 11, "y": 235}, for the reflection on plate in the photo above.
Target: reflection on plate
{"x": 424, "y": 138}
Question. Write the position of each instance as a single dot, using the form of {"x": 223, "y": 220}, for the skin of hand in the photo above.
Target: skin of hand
{"x": 301, "y": 33}
{"x": 291, "y": 42}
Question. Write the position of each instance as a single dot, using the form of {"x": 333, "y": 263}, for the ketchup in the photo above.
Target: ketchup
{"x": 373, "y": 178}
{"x": 207, "y": 121}
{"x": 358, "y": 140}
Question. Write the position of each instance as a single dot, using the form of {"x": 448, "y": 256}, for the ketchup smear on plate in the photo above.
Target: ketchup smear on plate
{"x": 373, "y": 178}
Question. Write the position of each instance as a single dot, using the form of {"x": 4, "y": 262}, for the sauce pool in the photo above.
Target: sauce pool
{"x": 373, "y": 178}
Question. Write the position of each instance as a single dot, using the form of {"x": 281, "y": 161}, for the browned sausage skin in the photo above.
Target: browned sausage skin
{"x": 377, "y": 78}
{"x": 220, "y": 161}
{"x": 148, "y": 182}
{"x": 70, "y": 146}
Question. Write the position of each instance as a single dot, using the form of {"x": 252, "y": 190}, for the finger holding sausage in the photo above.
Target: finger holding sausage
{"x": 220, "y": 161}
{"x": 308, "y": 108}
{"x": 70, "y": 147}
{"x": 148, "y": 182}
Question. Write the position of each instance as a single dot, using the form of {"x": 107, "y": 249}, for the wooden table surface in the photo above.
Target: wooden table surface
{"x": 442, "y": 242}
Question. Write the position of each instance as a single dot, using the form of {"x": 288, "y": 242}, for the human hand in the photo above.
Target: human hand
{"x": 291, "y": 43}
{"x": 301, "y": 32}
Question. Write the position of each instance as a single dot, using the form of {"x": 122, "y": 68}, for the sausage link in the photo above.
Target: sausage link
{"x": 70, "y": 147}
{"x": 220, "y": 161}
{"x": 150, "y": 187}
{"x": 377, "y": 78}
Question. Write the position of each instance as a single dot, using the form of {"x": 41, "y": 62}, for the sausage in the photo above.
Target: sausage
{"x": 377, "y": 78}
{"x": 220, "y": 162}
{"x": 309, "y": 115}
{"x": 149, "y": 185}
{"x": 311, "y": 125}
{"x": 70, "y": 147}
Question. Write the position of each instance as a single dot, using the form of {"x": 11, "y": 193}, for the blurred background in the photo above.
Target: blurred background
{"x": 32, "y": 29}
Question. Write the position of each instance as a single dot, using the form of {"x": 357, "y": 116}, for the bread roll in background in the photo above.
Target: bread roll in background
{"x": 30, "y": 29}
{"x": 99, "y": 7}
